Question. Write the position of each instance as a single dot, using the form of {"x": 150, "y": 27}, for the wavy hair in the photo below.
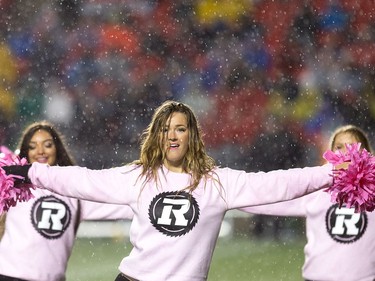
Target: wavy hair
{"x": 152, "y": 154}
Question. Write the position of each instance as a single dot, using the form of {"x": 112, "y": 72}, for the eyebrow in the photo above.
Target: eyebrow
{"x": 177, "y": 125}
{"x": 42, "y": 141}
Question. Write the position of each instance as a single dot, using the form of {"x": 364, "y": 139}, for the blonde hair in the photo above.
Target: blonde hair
{"x": 152, "y": 155}
{"x": 356, "y": 132}
{"x": 2, "y": 225}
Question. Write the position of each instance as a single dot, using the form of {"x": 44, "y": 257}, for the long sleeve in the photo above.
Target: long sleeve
{"x": 171, "y": 226}
{"x": 101, "y": 211}
{"x": 252, "y": 189}
{"x": 295, "y": 207}
{"x": 112, "y": 186}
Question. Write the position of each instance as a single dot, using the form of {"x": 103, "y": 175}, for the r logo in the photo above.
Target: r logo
{"x": 50, "y": 216}
{"x": 174, "y": 213}
{"x": 344, "y": 225}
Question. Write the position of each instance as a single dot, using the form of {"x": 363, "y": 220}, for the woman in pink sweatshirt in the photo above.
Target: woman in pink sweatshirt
{"x": 340, "y": 243}
{"x": 39, "y": 234}
{"x": 178, "y": 195}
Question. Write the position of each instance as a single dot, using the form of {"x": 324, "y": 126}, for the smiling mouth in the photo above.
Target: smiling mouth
{"x": 42, "y": 160}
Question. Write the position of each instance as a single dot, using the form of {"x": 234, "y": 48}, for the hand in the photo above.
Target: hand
{"x": 343, "y": 165}
{"x": 20, "y": 173}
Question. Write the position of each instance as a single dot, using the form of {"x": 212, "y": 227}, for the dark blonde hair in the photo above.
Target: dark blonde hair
{"x": 152, "y": 155}
{"x": 2, "y": 224}
{"x": 63, "y": 158}
{"x": 356, "y": 132}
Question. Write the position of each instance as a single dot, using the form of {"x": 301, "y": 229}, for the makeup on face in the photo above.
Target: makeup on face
{"x": 42, "y": 148}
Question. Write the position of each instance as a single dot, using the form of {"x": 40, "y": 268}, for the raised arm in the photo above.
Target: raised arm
{"x": 106, "y": 186}
{"x": 253, "y": 189}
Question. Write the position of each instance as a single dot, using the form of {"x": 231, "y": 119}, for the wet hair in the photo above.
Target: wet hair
{"x": 63, "y": 158}
{"x": 356, "y": 132}
{"x": 152, "y": 155}
{"x": 2, "y": 224}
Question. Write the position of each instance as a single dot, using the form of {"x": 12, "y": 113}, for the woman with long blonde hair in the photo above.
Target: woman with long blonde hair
{"x": 178, "y": 195}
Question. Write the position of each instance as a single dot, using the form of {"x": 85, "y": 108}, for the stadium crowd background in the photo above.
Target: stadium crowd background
{"x": 269, "y": 79}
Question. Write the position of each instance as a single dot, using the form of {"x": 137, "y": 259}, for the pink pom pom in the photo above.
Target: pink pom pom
{"x": 354, "y": 186}
{"x": 9, "y": 195}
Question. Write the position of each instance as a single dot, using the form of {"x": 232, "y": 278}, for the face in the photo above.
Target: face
{"x": 42, "y": 148}
{"x": 176, "y": 140}
{"x": 342, "y": 139}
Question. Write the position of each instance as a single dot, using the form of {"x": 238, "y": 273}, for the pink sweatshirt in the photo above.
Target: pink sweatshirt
{"x": 39, "y": 234}
{"x": 340, "y": 243}
{"x": 174, "y": 233}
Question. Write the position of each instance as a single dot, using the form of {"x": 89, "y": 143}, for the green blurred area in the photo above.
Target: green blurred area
{"x": 235, "y": 259}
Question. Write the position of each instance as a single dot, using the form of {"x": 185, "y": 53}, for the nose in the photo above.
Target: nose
{"x": 40, "y": 149}
{"x": 172, "y": 135}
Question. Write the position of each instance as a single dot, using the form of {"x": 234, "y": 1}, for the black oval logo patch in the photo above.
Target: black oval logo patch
{"x": 344, "y": 225}
{"x": 174, "y": 213}
{"x": 50, "y": 217}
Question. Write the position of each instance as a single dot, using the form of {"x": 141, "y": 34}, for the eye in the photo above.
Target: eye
{"x": 49, "y": 144}
{"x": 31, "y": 147}
{"x": 181, "y": 129}
{"x": 339, "y": 147}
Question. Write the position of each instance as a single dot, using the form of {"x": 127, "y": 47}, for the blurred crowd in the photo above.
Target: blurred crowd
{"x": 269, "y": 79}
